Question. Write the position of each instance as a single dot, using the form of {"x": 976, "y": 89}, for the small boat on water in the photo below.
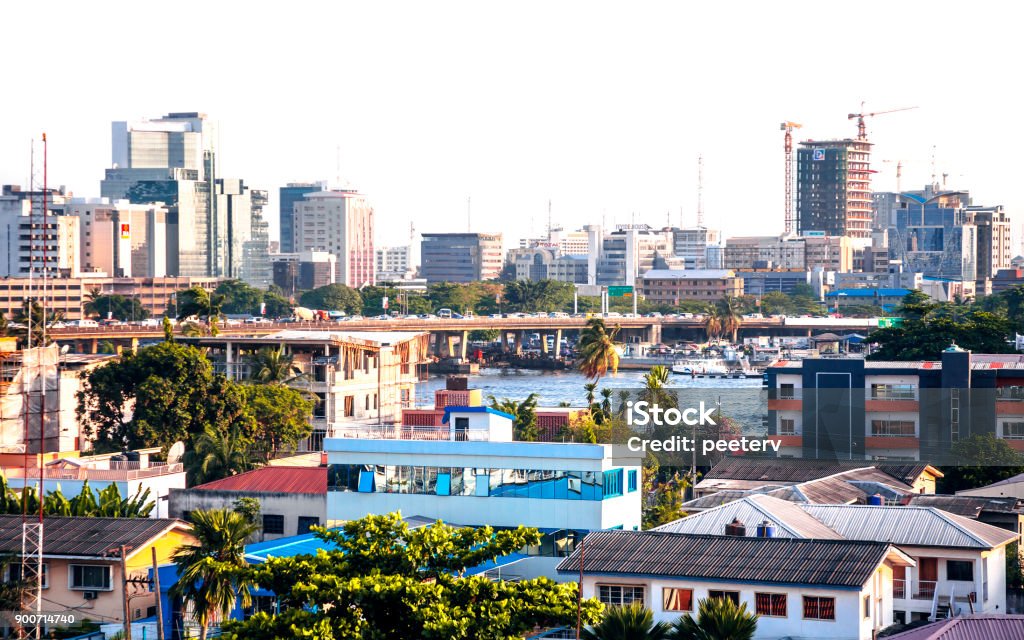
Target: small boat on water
{"x": 700, "y": 366}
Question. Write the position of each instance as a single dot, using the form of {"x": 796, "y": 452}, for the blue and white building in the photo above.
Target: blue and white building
{"x": 472, "y": 473}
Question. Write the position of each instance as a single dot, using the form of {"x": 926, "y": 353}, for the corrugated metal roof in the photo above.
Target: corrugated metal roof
{"x": 839, "y": 563}
{"x": 86, "y": 536}
{"x": 908, "y": 525}
{"x": 967, "y": 506}
{"x": 789, "y": 519}
{"x": 795, "y": 470}
{"x": 990, "y": 627}
{"x": 272, "y": 480}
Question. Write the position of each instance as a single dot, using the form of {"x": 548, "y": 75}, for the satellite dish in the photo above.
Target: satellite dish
{"x": 175, "y": 452}
{"x": 64, "y": 350}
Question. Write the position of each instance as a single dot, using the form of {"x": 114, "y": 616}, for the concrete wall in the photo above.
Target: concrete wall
{"x": 289, "y": 505}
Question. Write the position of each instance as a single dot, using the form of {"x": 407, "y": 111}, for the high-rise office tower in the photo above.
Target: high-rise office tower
{"x": 994, "y": 244}
{"x": 339, "y": 222}
{"x": 461, "y": 257}
{"x": 173, "y": 160}
{"x": 240, "y": 213}
{"x": 834, "y": 188}
{"x": 287, "y": 197}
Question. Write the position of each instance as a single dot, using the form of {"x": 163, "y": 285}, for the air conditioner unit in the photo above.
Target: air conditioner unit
{"x": 90, "y": 595}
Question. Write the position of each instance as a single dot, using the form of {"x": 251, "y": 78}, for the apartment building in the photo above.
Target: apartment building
{"x": 338, "y": 222}
{"x": 857, "y": 409}
{"x": 461, "y": 257}
{"x": 669, "y": 286}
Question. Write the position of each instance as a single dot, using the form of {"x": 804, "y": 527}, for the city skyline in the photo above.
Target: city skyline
{"x": 603, "y": 113}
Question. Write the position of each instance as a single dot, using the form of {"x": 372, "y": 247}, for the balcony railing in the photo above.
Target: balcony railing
{"x": 899, "y": 588}
{"x": 90, "y": 473}
{"x": 1010, "y": 394}
{"x": 925, "y": 589}
{"x": 397, "y": 432}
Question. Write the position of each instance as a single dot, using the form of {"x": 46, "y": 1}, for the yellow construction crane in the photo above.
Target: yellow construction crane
{"x": 862, "y": 131}
{"x": 790, "y": 217}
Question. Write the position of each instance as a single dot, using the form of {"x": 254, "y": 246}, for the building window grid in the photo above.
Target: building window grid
{"x": 819, "y": 608}
{"x": 617, "y": 595}
{"x": 893, "y": 429}
{"x": 771, "y": 604}
{"x": 1013, "y": 430}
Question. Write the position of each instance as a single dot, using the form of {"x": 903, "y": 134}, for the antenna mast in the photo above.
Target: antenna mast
{"x": 700, "y": 191}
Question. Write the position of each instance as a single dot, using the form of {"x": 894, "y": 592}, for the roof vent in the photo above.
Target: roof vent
{"x": 735, "y": 528}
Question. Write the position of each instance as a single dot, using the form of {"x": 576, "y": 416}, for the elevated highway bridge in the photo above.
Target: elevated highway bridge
{"x": 448, "y": 332}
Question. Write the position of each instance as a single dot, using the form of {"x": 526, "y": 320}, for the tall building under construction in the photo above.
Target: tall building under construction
{"x": 834, "y": 188}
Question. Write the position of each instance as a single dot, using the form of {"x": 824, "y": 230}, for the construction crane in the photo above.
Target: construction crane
{"x": 790, "y": 217}
{"x": 862, "y": 130}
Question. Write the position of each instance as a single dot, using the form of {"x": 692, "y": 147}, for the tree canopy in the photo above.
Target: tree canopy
{"x": 333, "y": 297}
{"x": 381, "y": 579}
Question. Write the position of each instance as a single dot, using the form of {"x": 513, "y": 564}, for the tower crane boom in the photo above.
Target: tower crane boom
{"x": 862, "y": 131}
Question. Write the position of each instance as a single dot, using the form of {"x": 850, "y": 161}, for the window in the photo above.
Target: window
{"x": 818, "y": 608}
{"x": 892, "y": 392}
{"x": 770, "y": 604}
{"x": 617, "y": 595}
{"x": 14, "y": 573}
{"x": 1013, "y": 430}
{"x": 676, "y": 599}
{"x": 787, "y": 391}
{"x": 725, "y": 595}
{"x": 867, "y": 606}
{"x": 273, "y": 524}
{"x": 960, "y": 570}
{"x": 632, "y": 483}
{"x": 893, "y": 428}
{"x": 89, "y": 577}
{"x": 787, "y": 427}
{"x": 305, "y": 522}
{"x": 613, "y": 483}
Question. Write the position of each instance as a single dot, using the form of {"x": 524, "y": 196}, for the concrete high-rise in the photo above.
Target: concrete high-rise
{"x": 240, "y": 213}
{"x": 834, "y": 188}
{"x": 25, "y": 247}
{"x": 994, "y": 244}
{"x": 122, "y": 240}
{"x": 172, "y": 160}
{"x": 338, "y": 222}
{"x": 287, "y": 197}
{"x": 461, "y": 257}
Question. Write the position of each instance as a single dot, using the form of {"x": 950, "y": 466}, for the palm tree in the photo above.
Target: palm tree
{"x": 712, "y": 324}
{"x": 33, "y": 318}
{"x": 729, "y": 316}
{"x": 272, "y": 366}
{"x": 597, "y": 349}
{"x": 654, "y": 391}
{"x": 606, "y": 401}
{"x": 629, "y": 622}
{"x": 525, "y": 414}
{"x": 217, "y": 454}
{"x": 92, "y": 299}
{"x": 211, "y": 574}
{"x": 590, "y": 388}
{"x": 717, "y": 619}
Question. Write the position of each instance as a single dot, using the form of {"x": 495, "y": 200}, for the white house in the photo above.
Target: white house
{"x": 808, "y": 589}
{"x": 471, "y": 473}
{"x": 959, "y": 563}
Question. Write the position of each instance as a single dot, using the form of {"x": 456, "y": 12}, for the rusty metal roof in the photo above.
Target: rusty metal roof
{"x": 272, "y": 480}
{"x": 837, "y": 563}
{"x": 87, "y": 536}
{"x": 988, "y": 626}
{"x": 772, "y": 470}
{"x": 967, "y": 506}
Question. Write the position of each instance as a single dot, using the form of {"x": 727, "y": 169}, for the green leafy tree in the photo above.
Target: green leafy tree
{"x": 155, "y": 397}
{"x": 541, "y": 295}
{"x": 333, "y": 297}
{"x": 197, "y": 301}
{"x": 280, "y": 418}
{"x": 32, "y": 319}
{"x": 525, "y": 414}
{"x": 633, "y": 621}
{"x": 239, "y": 297}
{"x": 597, "y": 349}
{"x": 168, "y": 329}
{"x": 379, "y": 579}
{"x": 717, "y": 619}
{"x": 116, "y": 306}
{"x": 666, "y": 504}
{"x": 212, "y": 575}
{"x": 925, "y": 338}
{"x": 217, "y": 454}
{"x": 277, "y": 306}
{"x": 978, "y": 461}
{"x": 248, "y": 507}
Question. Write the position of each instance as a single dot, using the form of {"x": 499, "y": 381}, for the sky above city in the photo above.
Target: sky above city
{"x": 600, "y": 108}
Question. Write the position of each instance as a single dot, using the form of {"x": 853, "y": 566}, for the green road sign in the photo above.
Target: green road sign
{"x": 620, "y": 292}
{"x": 885, "y": 323}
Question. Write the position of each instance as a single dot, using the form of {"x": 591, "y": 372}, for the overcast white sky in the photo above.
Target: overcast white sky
{"x": 602, "y": 108}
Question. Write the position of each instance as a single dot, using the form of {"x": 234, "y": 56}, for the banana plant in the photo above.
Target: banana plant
{"x": 55, "y": 504}
{"x": 84, "y": 504}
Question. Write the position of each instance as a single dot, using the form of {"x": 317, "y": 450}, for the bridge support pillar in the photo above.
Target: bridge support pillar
{"x": 544, "y": 343}
{"x": 653, "y": 333}
{"x": 463, "y": 344}
{"x": 229, "y": 361}
{"x": 450, "y": 343}
{"x": 94, "y": 346}
{"x": 504, "y": 341}
{"x": 518, "y": 342}
{"x": 135, "y": 345}
{"x": 558, "y": 344}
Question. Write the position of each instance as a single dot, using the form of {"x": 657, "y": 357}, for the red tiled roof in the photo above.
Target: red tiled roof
{"x": 273, "y": 480}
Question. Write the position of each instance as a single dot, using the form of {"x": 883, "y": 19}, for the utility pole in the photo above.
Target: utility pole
{"x": 124, "y": 593}
{"x": 159, "y": 599}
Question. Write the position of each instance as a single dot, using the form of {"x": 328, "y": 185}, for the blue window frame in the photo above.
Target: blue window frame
{"x": 365, "y": 481}
{"x": 444, "y": 483}
{"x": 632, "y": 480}
{"x": 613, "y": 483}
